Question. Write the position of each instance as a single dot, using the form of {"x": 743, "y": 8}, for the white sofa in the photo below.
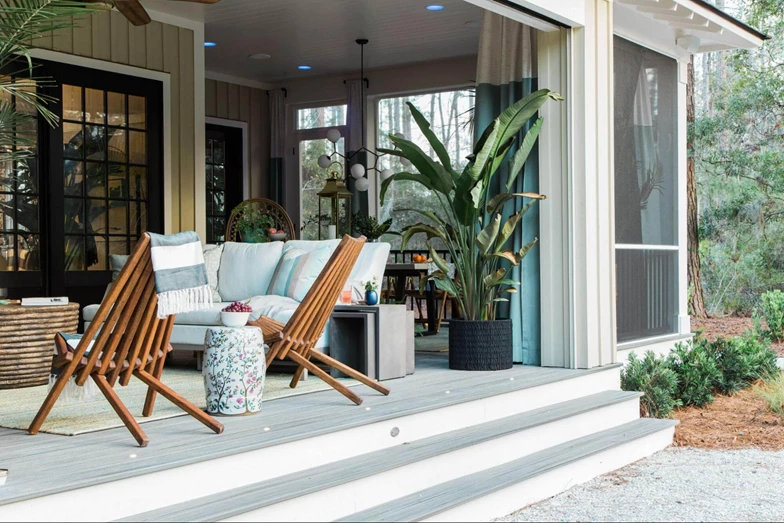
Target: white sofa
{"x": 245, "y": 271}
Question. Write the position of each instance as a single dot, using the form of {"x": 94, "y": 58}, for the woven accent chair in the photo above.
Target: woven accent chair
{"x": 296, "y": 339}
{"x": 129, "y": 340}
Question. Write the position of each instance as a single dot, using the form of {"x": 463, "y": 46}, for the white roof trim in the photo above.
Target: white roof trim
{"x": 689, "y": 18}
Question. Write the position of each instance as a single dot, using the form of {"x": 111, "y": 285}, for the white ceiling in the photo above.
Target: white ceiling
{"x": 321, "y": 33}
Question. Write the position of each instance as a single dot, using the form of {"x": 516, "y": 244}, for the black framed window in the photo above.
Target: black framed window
{"x": 20, "y": 213}
{"x": 217, "y": 213}
{"x": 105, "y": 169}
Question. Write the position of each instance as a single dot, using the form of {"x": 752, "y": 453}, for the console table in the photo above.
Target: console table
{"x": 375, "y": 340}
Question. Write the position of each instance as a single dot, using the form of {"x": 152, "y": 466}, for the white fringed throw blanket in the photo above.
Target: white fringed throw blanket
{"x": 180, "y": 275}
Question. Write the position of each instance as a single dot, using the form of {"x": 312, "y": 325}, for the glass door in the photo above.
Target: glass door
{"x": 224, "y": 164}
{"x": 92, "y": 188}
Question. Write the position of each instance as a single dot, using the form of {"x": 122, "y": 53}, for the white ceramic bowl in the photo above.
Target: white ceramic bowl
{"x": 234, "y": 319}
{"x": 278, "y": 236}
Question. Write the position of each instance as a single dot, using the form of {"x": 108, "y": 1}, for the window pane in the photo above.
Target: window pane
{"x": 96, "y": 216}
{"x": 73, "y": 140}
{"x": 72, "y": 103}
{"x": 137, "y": 112}
{"x": 138, "y": 147}
{"x": 118, "y": 184}
{"x": 118, "y": 217}
{"x": 95, "y": 142}
{"x": 94, "y": 108}
{"x": 96, "y": 180}
{"x": 646, "y": 152}
{"x": 74, "y": 253}
{"x": 313, "y": 178}
{"x": 97, "y": 258}
{"x": 7, "y": 253}
{"x": 29, "y": 251}
{"x": 450, "y": 114}
{"x": 117, "y": 147}
{"x": 647, "y": 293}
{"x": 7, "y": 212}
{"x": 117, "y": 109}
{"x": 317, "y": 117}
{"x": 138, "y": 180}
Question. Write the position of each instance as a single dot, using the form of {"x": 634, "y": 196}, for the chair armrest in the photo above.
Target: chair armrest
{"x": 271, "y": 329}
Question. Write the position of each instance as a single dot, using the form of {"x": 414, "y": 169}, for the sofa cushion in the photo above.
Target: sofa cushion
{"x": 246, "y": 269}
{"x": 371, "y": 264}
{"x": 212, "y": 261}
{"x": 311, "y": 245}
{"x": 297, "y": 271}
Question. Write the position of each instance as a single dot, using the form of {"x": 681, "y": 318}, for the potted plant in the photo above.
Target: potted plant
{"x": 253, "y": 224}
{"x": 470, "y": 225}
{"x": 367, "y": 226}
{"x": 371, "y": 292}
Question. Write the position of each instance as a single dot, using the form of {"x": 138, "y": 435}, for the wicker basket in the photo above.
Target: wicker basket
{"x": 27, "y": 342}
{"x": 480, "y": 345}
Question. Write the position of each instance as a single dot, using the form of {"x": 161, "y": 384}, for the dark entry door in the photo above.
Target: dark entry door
{"x": 101, "y": 177}
{"x": 224, "y": 164}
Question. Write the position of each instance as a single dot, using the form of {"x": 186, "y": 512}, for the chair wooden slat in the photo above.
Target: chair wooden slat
{"x": 129, "y": 340}
{"x": 296, "y": 340}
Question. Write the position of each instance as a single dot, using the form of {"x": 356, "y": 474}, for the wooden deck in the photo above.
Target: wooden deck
{"x": 47, "y": 464}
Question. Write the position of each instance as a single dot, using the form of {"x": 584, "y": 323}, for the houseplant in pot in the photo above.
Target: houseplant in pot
{"x": 253, "y": 224}
{"x": 470, "y": 224}
{"x": 369, "y": 227}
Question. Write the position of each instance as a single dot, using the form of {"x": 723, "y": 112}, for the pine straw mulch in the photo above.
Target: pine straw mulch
{"x": 728, "y": 327}
{"x": 730, "y": 422}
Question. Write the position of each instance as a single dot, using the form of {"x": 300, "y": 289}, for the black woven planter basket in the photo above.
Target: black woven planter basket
{"x": 480, "y": 345}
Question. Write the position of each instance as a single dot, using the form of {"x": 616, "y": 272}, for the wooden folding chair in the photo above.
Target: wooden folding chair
{"x": 129, "y": 340}
{"x": 296, "y": 340}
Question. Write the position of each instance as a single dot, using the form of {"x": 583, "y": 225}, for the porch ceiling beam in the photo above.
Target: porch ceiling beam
{"x": 644, "y": 3}
{"x": 669, "y": 7}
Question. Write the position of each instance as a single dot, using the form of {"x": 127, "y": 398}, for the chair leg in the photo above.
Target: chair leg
{"x": 335, "y": 364}
{"x": 50, "y": 400}
{"x": 149, "y": 402}
{"x": 441, "y": 313}
{"x": 297, "y": 375}
{"x": 178, "y": 400}
{"x": 329, "y": 380}
{"x": 122, "y": 411}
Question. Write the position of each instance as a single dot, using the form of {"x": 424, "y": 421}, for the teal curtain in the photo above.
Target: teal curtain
{"x": 507, "y": 73}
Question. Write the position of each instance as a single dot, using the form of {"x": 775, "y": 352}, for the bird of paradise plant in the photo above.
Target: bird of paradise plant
{"x": 470, "y": 222}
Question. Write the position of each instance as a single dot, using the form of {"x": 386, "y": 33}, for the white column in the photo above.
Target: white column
{"x": 684, "y": 321}
{"x": 592, "y": 205}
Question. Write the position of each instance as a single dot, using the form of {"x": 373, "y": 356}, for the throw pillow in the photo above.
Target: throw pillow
{"x": 297, "y": 272}
{"x": 212, "y": 260}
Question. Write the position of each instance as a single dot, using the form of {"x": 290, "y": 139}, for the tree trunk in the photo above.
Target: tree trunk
{"x": 696, "y": 300}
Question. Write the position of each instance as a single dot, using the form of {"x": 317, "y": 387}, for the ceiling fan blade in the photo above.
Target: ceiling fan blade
{"x": 199, "y": 1}
{"x": 133, "y": 11}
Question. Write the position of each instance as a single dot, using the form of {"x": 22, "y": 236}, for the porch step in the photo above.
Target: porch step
{"x": 501, "y": 490}
{"x": 339, "y": 489}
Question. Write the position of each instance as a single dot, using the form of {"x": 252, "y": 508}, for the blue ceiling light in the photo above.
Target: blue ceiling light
{"x": 210, "y": 44}
{"x": 304, "y": 67}
{"x": 435, "y": 7}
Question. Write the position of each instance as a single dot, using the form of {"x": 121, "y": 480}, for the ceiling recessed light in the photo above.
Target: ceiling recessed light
{"x": 210, "y": 44}
{"x": 304, "y": 67}
{"x": 435, "y": 7}
{"x": 472, "y": 24}
{"x": 260, "y": 56}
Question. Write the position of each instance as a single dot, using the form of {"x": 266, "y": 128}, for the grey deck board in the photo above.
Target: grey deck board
{"x": 435, "y": 500}
{"x": 265, "y": 493}
{"x": 47, "y": 464}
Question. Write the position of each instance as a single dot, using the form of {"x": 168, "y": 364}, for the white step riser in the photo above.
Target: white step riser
{"x": 349, "y": 498}
{"x": 547, "y": 485}
{"x": 127, "y": 497}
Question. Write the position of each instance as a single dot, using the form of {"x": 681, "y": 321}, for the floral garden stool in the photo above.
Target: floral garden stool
{"x": 234, "y": 366}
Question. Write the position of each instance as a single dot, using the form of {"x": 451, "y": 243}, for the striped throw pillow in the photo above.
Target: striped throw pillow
{"x": 297, "y": 272}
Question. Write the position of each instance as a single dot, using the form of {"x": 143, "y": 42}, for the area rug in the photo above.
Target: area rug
{"x": 18, "y": 407}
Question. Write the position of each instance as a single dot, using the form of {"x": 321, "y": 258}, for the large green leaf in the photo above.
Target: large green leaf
{"x": 508, "y": 230}
{"x": 509, "y": 256}
{"x": 432, "y": 139}
{"x": 527, "y": 248}
{"x": 520, "y": 157}
{"x": 494, "y": 279}
{"x": 427, "y": 214}
{"x": 438, "y": 260}
{"x": 499, "y": 200}
{"x": 488, "y": 235}
{"x": 430, "y": 231}
{"x": 475, "y": 168}
{"x": 404, "y": 176}
{"x": 440, "y": 178}
{"x": 515, "y": 117}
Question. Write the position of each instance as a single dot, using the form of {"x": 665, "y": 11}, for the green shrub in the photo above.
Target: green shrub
{"x": 695, "y": 365}
{"x": 656, "y": 380}
{"x": 742, "y": 361}
{"x": 772, "y": 305}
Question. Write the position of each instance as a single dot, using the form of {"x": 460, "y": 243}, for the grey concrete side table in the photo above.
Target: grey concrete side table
{"x": 376, "y": 340}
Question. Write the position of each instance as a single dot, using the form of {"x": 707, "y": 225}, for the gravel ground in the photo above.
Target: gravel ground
{"x": 677, "y": 484}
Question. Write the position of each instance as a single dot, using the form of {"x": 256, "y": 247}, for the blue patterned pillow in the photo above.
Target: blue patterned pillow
{"x": 297, "y": 272}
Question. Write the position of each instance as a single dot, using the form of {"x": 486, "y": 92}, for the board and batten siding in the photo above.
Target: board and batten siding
{"x": 250, "y": 105}
{"x": 156, "y": 46}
